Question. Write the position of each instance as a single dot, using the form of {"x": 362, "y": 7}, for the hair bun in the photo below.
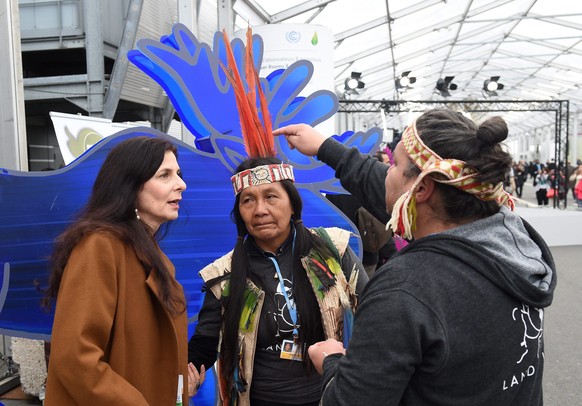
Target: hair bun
{"x": 492, "y": 131}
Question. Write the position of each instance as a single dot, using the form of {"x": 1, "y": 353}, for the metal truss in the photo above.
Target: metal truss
{"x": 560, "y": 109}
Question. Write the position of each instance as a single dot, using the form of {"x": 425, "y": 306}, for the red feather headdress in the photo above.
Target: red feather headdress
{"x": 257, "y": 135}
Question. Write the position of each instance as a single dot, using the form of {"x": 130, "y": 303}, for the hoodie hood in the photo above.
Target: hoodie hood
{"x": 507, "y": 251}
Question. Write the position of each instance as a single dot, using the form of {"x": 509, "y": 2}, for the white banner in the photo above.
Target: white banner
{"x": 285, "y": 44}
{"x": 76, "y": 133}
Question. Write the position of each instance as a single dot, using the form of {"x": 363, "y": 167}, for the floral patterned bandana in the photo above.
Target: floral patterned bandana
{"x": 447, "y": 171}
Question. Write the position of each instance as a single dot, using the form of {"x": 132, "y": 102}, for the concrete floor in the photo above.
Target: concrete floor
{"x": 563, "y": 331}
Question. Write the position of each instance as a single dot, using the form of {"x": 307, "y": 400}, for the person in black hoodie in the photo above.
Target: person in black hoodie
{"x": 455, "y": 317}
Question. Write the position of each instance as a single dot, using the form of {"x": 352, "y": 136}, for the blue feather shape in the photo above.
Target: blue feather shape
{"x": 348, "y": 326}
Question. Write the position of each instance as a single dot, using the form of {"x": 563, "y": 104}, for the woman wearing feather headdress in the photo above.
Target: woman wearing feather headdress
{"x": 283, "y": 287}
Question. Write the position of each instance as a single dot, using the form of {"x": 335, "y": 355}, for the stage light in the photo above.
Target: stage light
{"x": 404, "y": 81}
{"x": 490, "y": 86}
{"x": 353, "y": 83}
{"x": 446, "y": 84}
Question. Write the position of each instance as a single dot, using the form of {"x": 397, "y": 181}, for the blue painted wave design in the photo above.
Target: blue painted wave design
{"x": 36, "y": 206}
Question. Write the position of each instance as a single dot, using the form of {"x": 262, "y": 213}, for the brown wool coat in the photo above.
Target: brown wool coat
{"x": 113, "y": 343}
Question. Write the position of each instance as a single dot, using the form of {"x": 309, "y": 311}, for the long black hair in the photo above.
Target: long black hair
{"x": 452, "y": 135}
{"x": 311, "y": 329}
{"x": 111, "y": 207}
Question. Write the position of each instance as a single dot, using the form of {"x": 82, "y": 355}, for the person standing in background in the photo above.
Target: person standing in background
{"x": 512, "y": 184}
{"x": 520, "y": 178}
{"x": 535, "y": 169}
{"x": 576, "y": 181}
{"x": 542, "y": 184}
{"x": 373, "y": 233}
{"x": 383, "y": 157}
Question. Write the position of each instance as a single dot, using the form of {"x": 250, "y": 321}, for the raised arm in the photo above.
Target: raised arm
{"x": 362, "y": 176}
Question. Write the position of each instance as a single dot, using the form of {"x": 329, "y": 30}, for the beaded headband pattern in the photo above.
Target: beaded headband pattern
{"x": 452, "y": 172}
{"x": 261, "y": 175}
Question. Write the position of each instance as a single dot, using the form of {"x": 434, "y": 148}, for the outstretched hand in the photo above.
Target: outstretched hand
{"x": 195, "y": 379}
{"x": 302, "y": 137}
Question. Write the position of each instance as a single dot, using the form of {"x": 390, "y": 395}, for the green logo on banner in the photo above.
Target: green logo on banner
{"x": 314, "y": 39}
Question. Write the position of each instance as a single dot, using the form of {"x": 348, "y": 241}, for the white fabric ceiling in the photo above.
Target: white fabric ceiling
{"x": 535, "y": 46}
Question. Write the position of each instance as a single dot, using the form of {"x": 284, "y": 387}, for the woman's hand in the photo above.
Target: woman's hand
{"x": 195, "y": 379}
{"x": 318, "y": 351}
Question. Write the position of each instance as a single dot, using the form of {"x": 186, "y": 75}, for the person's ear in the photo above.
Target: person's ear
{"x": 425, "y": 189}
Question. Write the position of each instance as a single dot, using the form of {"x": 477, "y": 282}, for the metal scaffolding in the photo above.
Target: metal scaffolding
{"x": 560, "y": 109}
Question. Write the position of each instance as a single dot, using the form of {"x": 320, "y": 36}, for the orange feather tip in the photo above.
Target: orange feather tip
{"x": 257, "y": 134}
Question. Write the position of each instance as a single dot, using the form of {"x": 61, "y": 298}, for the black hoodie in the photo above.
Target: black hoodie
{"x": 455, "y": 318}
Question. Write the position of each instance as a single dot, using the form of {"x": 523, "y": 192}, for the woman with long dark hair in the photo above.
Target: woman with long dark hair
{"x": 120, "y": 327}
{"x": 282, "y": 286}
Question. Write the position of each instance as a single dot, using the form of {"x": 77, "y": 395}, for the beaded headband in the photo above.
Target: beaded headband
{"x": 447, "y": 171}
{"x": 261, "y": 175}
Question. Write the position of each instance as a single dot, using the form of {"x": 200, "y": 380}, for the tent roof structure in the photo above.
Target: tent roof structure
{"x": 534, "y": 47}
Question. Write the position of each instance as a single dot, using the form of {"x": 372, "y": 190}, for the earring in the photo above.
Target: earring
{"x": 137, "y": 215}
